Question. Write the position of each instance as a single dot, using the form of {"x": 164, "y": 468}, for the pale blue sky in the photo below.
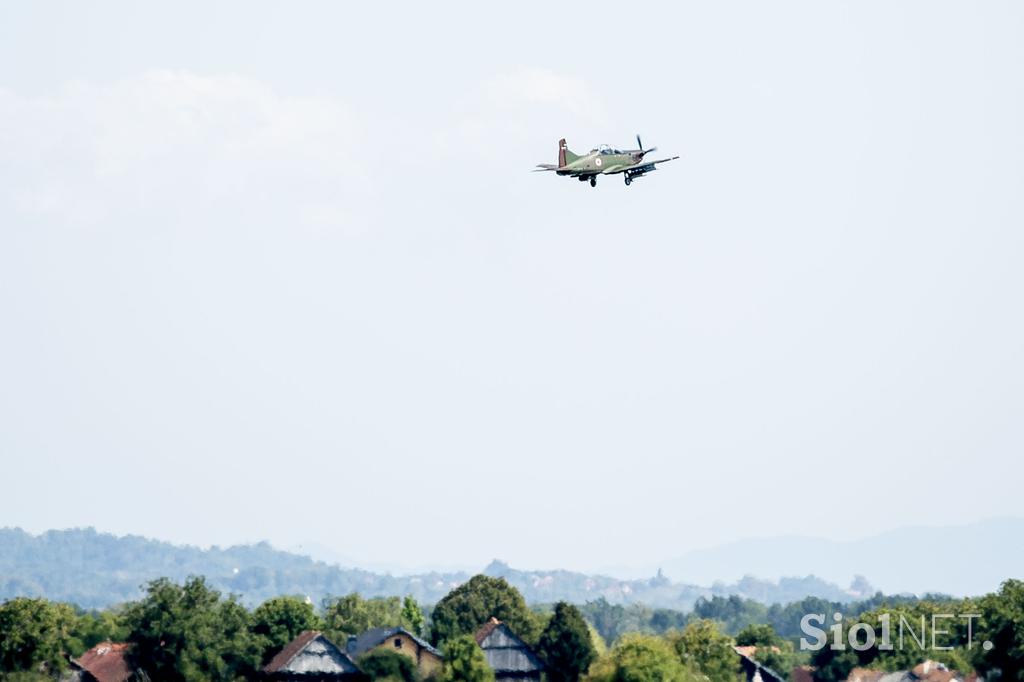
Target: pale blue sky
{"x": 279, "y": 271}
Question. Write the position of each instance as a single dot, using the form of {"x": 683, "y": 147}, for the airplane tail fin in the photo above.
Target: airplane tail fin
{"x": 564, "y": 155}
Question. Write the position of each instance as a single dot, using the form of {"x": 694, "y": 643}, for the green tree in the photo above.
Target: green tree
{"x": 607, "y": 618}
{"x": 237, "y": 651}
{"x": 785, "y": 618}
{"x": 565, "y": 644}
{"x": 781, "y": 659}
{"x": 278, "y": 621}
{"x": 470, "y": 605}
{"x": 772, "y": 650}
{"x": 1002, "y": 624}
{"x": 614, "y": 620}
{"x": 702, "y": 646}
{"x": 834, "y": 665}
{"x": 35, "y": 635}
{"x": 641, "y": 658}
{"x": 464, "y": 661}
{"x": 351, "y": 615}
{"x": 732, "y": 612}
{"x": 412, "y": 615}
{"x": 600, "y": 646}
{"x": 187, "y": 632}
{"x": 93, "y": 627}
{"x": 759, "y": 635}
{"x": 663, "y": 620}
{"x": 382, "y": 664}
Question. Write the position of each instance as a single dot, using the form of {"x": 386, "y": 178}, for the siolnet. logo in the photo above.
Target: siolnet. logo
{"x": 934, "y": 635}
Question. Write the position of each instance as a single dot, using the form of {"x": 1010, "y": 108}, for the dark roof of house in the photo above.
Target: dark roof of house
{"x": 313, "y": 653}
{"x": 106, "y": 662}
{"x": 505, "y": 652}
{"x": 357, "y": 646}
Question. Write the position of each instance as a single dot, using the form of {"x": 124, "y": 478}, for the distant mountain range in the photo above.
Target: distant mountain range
{"x": 962, "y": 560}
{"x": 96, "y": 570}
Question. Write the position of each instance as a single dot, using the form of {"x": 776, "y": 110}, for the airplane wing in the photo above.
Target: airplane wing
{"x": 642, "y": 166}
{"x": 542, "y": 167}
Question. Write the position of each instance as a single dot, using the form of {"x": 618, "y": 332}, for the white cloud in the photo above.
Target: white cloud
{"x": 175, "y": 140}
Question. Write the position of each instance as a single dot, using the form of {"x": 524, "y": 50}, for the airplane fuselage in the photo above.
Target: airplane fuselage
{"x": 598, "y": 162}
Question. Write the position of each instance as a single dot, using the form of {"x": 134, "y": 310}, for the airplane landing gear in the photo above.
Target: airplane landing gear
{"x": 627, "y": 179}
{"x": 593, "y": 181}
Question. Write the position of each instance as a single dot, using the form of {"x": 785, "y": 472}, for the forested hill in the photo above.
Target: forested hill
{"x": 95, "y": 570}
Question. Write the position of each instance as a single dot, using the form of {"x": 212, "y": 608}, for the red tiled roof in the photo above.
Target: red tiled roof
{"x": 802, "y": 673}
{"x": 107, "y": 662}
{"x": 290, "y": 650}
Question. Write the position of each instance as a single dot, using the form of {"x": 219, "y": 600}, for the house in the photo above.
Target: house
{"x": 752, "y": 670}
{"x": 509, "y": 657}
{"x": 427, "y": 658}
{"x": 802, "y": 673}
{"x": 311, "y": 657}
{"x": 105, "y": 662}
{"x": 928, "y": 671}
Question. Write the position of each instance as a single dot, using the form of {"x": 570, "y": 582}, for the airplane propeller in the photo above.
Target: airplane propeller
{"x": 640, "y": 146}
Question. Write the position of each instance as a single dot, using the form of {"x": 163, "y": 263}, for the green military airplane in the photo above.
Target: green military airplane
{"x": 603, "y": 160}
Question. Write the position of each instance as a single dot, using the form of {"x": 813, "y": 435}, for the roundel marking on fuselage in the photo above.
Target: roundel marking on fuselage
{"x": 598, "y": 161}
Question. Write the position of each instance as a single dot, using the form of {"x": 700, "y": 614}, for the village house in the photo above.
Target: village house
{"x": 509, "y": 657}
{"x": 311, "y": 657}
{"x": 427, "y": 658}
{"x": 928, "y": 671}
{"x": 105, "y": 662}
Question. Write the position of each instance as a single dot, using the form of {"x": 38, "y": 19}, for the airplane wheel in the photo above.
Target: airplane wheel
{"x": 593, "y": 182}
{"x": 628, "y": 180}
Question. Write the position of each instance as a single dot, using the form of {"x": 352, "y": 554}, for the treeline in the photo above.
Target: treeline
{"x": 190, "y": 631}
{"x": 186, "y": 631}
{"x": 733, "y": 614}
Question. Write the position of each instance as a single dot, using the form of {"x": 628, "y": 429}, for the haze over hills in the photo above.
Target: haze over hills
{"x": 95, "y": 570}
{"x": 961, "y": 560}
{"x": 968, "y": 559}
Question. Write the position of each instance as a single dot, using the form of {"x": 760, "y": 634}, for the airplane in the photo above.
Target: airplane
{"x": 603, "y": 160}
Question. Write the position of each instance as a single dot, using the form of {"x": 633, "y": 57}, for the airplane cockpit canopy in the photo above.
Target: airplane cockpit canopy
{"x": 605, "y": 149}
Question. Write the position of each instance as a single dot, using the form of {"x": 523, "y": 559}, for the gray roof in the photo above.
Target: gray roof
{"x": 357, "y": 646}
{"x": 311, "y": 654}
{"x": 507, "y": 654}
